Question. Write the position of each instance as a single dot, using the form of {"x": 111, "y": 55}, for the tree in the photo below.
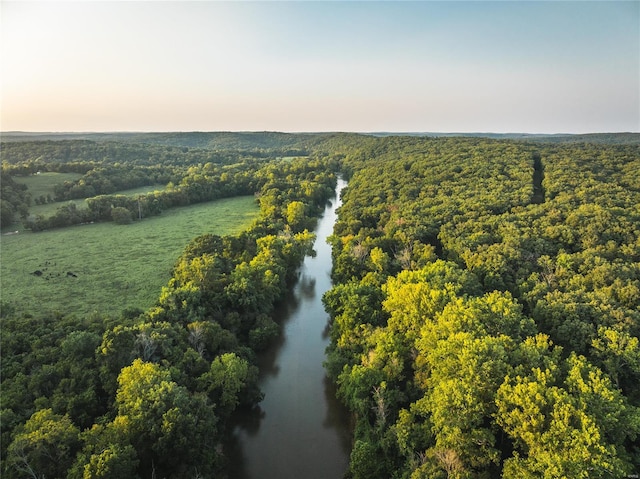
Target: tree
{"x": 296, "y": 215}
{"x": 263, "y": 332}
{"x": 231, "y": 381}
{"x": 7, "y": 213}
{"x": 380, "y": 259}
{"x": 113, "y": 462}
{"x": 107, "y": 453}
{"x": 46, "y": 446}
{"x": 619, "y": 353}
{"x": 171, "y": 429}
{"x": 121, "y": 215}
{"x": 460, "y": 376}
{"x": 564, "y": 431}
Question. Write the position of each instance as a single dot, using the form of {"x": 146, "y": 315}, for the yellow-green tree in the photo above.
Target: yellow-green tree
{"x": 45, "y": 447}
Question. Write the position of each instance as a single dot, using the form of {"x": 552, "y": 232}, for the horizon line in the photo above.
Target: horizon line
{"x": 316, "y": 132}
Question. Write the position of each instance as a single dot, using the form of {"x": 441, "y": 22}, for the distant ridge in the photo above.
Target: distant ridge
{"x": 252, "y": 140}
{"x": 223, "y": 140}
{"x": 617, "y": 138}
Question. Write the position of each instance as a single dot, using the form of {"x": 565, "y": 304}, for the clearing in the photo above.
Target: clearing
{"x": 106, "y": 267}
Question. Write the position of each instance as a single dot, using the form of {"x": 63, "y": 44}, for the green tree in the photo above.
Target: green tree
{"x": 463, "y": 376}
{"x": 296, "y": 215}
{"x": 171, "y": 429}
{"x": 559, "y": 432}
{"x": 231, "y": 381}
{"x": 113, "y": 462}
{"x": 380, "y": 259}
{"x": 121, "y": 215}
{"x": 107, "y": 453}
{"x": 45, "y": 447}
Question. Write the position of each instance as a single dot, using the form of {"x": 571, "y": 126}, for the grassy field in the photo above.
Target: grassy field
{"x": 112, "y": 266}
{"x": 49, "y": 209}
{"x": 43, "y": 183}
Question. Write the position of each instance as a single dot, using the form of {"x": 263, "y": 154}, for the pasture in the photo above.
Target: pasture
{"x": 106, "y": 267}
{"x": 42, "y": 184}
{"x": 49, "y": 209}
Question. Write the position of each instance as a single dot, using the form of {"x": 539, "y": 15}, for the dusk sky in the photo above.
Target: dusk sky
{"x": 505, "y": 66}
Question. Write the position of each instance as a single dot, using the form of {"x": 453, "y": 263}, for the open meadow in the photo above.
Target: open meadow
{"x": 107, "y": 267}
{"x": 49, "y": 209}
{"x": 43, "y": 183}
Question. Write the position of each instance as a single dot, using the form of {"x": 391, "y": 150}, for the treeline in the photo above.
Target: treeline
{"x": 105, "y": 180}
{"x": 28, "y": 157}
{"x": 198, "y": 184}
{"x": 184, "y": 176}
{"x": 195, "y": 185}
{"x": 482, "y": 325}
{"x": 149, "y": 393}
{"x": 15, "y": 201}
{"x": 114, "y": 162}
{"x": 106, "y": 168}
{"x": 269, "y": 143}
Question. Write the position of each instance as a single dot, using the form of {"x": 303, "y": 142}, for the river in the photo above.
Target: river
{"x": 300, "y": 430}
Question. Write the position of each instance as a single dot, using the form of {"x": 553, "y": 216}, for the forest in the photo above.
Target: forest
{"x": 484, "y": 318}
{"x": 486, "y": 308}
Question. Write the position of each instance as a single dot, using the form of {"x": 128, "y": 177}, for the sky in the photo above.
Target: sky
{"x": 361, "y": 66}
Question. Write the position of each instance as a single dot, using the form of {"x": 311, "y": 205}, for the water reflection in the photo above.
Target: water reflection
{"x": 337, "y": 417}
{"x": 307, "y": 287}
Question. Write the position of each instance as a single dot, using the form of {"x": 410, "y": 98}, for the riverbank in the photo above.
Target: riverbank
{"x": 300, "y": 429}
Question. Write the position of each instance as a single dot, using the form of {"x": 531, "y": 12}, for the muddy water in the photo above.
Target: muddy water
{"x": 300, "y": 430}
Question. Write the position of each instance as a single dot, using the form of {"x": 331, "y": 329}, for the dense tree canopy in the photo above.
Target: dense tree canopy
{"x": 150, "y": 393}
{"x": 485, "y": 313}
{"x": 486, "y": 308}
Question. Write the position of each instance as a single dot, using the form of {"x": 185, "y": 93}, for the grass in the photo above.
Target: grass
{"x": 49, "y": 209}
{"x": 42, "y": 184}
{"x": 115, "y": 266}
